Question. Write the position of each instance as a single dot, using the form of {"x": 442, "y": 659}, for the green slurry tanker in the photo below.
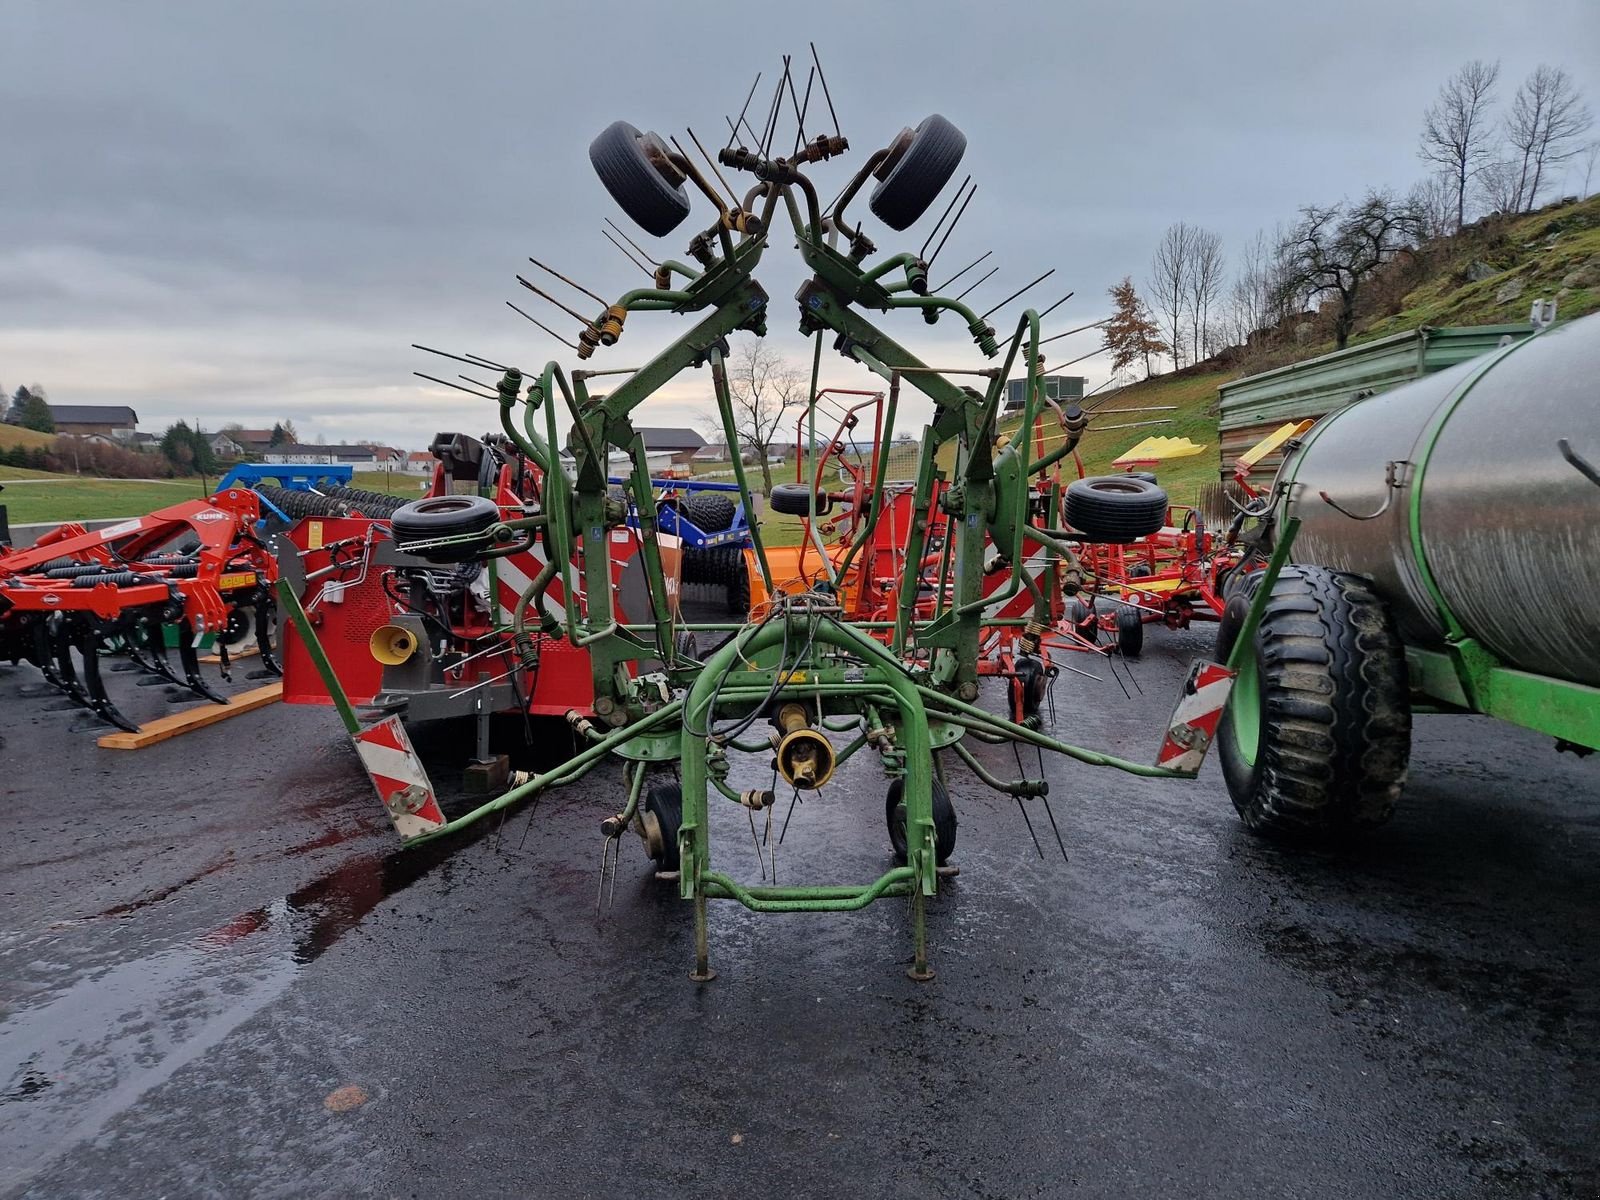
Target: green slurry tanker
{"x": 1446, "y": 558}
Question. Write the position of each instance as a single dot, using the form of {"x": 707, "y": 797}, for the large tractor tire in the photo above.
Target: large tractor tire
{"x": 444, "y": 517}
{"x": 1316, "y": 737}
{"x": 1115, "y": 508}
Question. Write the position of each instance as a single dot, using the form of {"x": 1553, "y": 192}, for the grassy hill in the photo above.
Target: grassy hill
{"x": 28, "y": 439}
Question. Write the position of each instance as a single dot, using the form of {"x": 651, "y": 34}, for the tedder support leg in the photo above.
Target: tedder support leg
{"x": 702, "y": 972}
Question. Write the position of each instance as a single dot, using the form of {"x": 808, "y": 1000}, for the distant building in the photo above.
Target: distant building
{"x": 312, "y": 456}
{"x": 252, "y": 441}
{"x": 1063, "y": 389}
{"x": 681, "y": 444}
{"x": 113, "y": 420}
{"x": 224, "y": 446}
{"x": 418, "y": 462}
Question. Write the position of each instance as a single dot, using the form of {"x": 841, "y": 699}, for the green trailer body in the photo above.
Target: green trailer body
{"x": 1252, "y": 407}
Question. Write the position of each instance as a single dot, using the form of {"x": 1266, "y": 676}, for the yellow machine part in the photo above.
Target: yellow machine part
{"x": 1273, "y": 440}
{"x": 791, "y": 576}
{"x": 1156, "y": 449}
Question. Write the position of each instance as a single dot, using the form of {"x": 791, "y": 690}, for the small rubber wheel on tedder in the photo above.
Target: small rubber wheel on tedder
{"x": 1085, "y": 620}
{"x": 661, "y": 816}
{"x": 920, "y": 162}
{"x": 1028, "y": 684}
{"x": 794, "y": 500}
{"x": 1115, "y": 508}
{"x": 944, "y": 822}
{"x": 1316, "y": 737}
{"x": 444, "y": 517}
{"x": 1130, "y": 632}
{"x": 633, "y": 167}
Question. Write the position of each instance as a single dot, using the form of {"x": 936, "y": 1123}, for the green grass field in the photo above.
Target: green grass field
{"x": 54, "y": 498}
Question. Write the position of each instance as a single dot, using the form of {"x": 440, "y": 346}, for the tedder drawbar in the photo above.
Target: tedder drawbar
{"x": 904, "y": 681}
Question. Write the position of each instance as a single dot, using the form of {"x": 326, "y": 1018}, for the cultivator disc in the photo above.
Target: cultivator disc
{"x": 174, "y": 580}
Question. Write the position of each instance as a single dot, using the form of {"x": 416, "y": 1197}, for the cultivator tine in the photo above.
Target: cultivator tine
{"x": 67, "y": 674}
{"x": 42, "y": 657}
{"x": 89, "y": 648}
{"x": 265, "y": 607}
{"x": 190, "y": 661}
{"x": 157, "y": 662}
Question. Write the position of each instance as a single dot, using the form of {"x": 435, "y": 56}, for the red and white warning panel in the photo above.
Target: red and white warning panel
{"x": 400, "y": 778}
{"x": 1194, "y": 720}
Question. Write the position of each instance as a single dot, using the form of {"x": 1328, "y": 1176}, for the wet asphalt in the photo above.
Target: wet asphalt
{"x": 207, "y": 946}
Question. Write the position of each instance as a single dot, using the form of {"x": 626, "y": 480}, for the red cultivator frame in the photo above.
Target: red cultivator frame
{"x": 197, "y": 567}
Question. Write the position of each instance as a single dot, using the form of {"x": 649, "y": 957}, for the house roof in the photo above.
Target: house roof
{"x": 93, "y": 414}
{"x": 671, "y": 438}
{"x": 336, "y": 451}
{"x": 419, "y": 456}
{"x": 247, "y": 437}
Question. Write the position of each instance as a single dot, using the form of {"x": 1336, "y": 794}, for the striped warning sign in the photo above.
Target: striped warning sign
{"x": 1194, "y": 720}
{"x": 400, "y": 778}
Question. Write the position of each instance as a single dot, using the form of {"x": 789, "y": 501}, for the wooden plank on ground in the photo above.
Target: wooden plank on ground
{"x": 233, "y": 658}
{"x": 198, "y": 717}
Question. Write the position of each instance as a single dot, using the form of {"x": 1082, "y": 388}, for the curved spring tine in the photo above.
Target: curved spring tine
{"x": 265, "y": 607}
{"x": 88, "y": 642}
{"x": 190, "y": 661}
{"x": 151, "y": 628}
{"x": 61, "y": 648}
{"x": 40, "y": 656}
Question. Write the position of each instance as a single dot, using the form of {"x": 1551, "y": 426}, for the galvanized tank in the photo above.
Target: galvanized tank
{"x": 1485, "y": 502}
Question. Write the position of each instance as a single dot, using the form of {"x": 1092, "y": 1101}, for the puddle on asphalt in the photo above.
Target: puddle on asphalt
{"x": 73, "y": 1060}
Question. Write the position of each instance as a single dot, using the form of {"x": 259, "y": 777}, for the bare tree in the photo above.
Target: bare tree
{"x": 1455, "y": 128}
{"x": 1334, "y": 250}
{"x": 1265, "y": 290}
{"x": 1589, "y": 153}
{"x": 1546, "y": 120}
{"x": 1169, "y": 284}
{"x": 1435, "y": 205}
{"x": 1498, "y": 188}
{"x": 764, "y": 387}
{"x": 1205, "y": 279}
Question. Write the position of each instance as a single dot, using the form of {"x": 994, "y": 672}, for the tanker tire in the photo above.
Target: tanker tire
{"x": 944, "y": 822}
{"x": 1115, "y": 508}
{"x": 917, "y": 179}
{"x": 1323, "y": 757}
{"x": 641, "y": 191}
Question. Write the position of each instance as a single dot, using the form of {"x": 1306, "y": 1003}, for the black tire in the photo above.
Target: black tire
{"x": 944, "y": 822}
{"x": 1130, "y": 632}
{"x": 1031, "y": 683}
{"x": 1115, "y": 508}
{"x": 915, "y": 179}
{"x": 619, "y": 159}
{"x": 1147, "y": 476}
{"x": 710, "y": 512}
{"x": 1316, "y": 737}
{"x": 442, "y": 517}
{"x": 794, "y": 499}
{"x": 1140, "y": 571}
{"x": 665, "y": 802}
{"x": 1085, "y": 621}
{"x": 738, "y": 585}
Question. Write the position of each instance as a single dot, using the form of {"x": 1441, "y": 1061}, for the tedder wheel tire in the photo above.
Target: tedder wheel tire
{"x": 1115, "y": 508}
{"x": 1130, "y": 632}
{"x": 710, "y": 512}
{"x": 1085, "y": 622}
{"x": 1031, "y": 683}
{"x": 665, "y": 803}
{"x": 794, "y": 499}
{"x": 1317, "y": 733}
{"x": 444, "y": 516}
{"x": 619, "y": 158}
{"x": 915, "y": 179}
{"x": 944, "y": 822}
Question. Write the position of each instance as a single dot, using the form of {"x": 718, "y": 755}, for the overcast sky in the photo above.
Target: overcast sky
{"x": 248, "y": 211}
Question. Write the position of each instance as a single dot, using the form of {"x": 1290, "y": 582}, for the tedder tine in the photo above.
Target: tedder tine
{"x": 265, "y": 607}
{"x": 89, "y": 647}
{"x": 191, "y": 665}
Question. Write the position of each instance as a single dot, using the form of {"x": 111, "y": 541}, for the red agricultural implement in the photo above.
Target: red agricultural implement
{"x": 196, "y": 568}
{"x": 1180, "y": 572}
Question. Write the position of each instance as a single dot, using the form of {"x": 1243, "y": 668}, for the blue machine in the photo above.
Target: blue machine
{"x": 290, "y": 478}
